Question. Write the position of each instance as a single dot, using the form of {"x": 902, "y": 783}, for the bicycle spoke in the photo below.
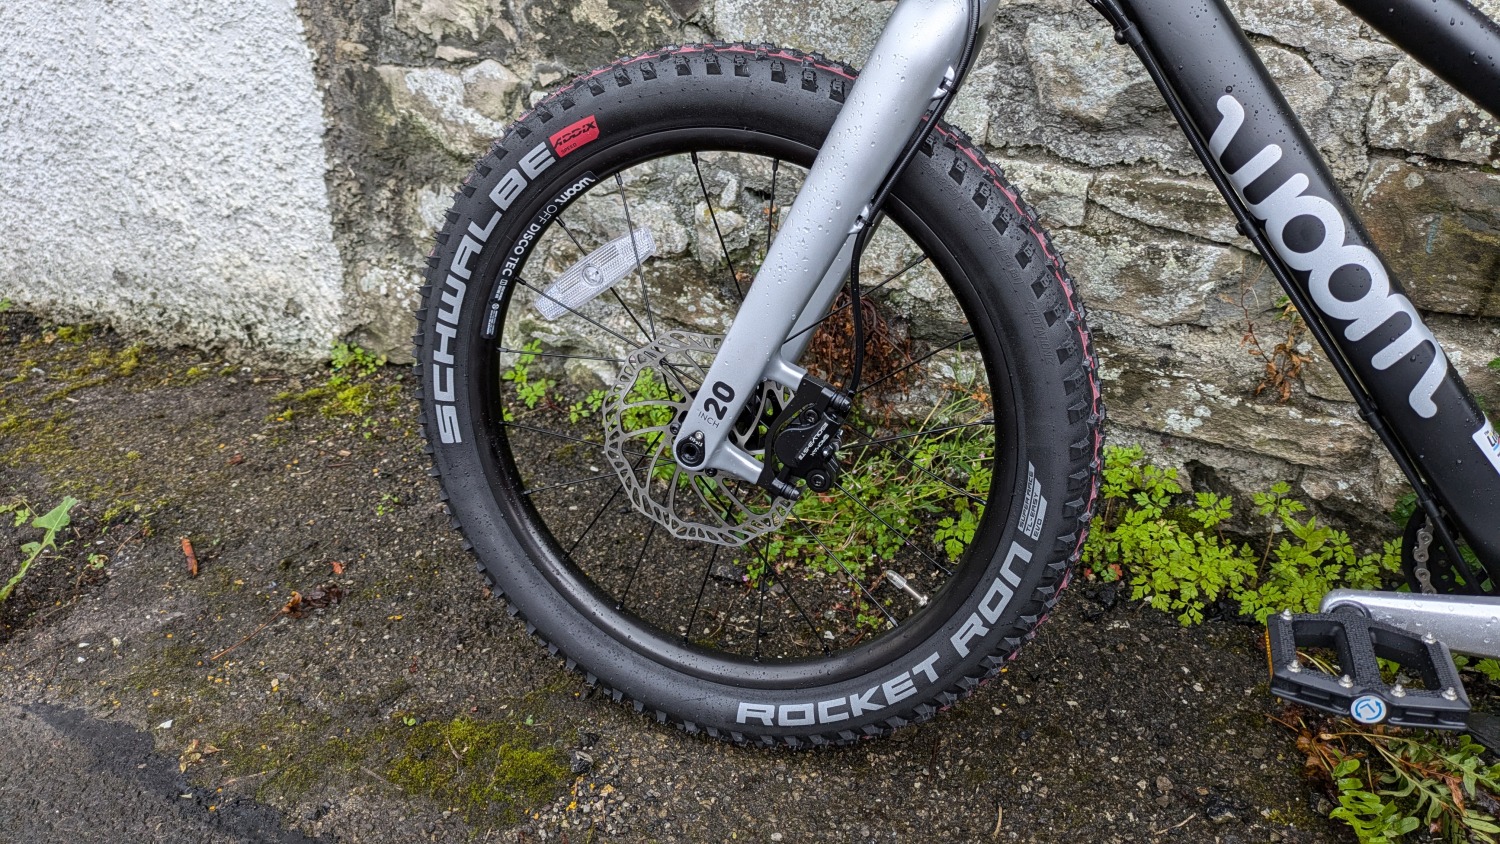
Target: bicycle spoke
{"x": 702, "y": 587}
{"x": 733, "y": 276}
{"x": 591, "y": 321}
{"x": 760, "y": 613}
{"x": 562, "y": 224}
{"x": 640, "y": 558}
{"x": 894, "y": 373}
{"x": 600, "y": 513}
{"x": 560, "y": 436}
{"x": 840, "y": 309}
{"x": 884, "y": 440}
{"x": 505, "y": 351}
{"x": 852, "y": 579}
{"x": 727, "y": 514}
{"x": 618, "y": 298}
{"x": 786, "y": 586}
{"x": 634, "y": 248}
{"x": 529, "y": 492}
{"x": 905, "y": 538}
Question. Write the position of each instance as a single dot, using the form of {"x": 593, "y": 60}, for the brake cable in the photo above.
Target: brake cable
{"x": 872, "y": 213}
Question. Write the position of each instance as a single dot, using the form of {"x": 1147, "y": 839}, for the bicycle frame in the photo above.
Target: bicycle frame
{"x": 914, "y": 60}
{"x": 1264, "y": 163}
{"x": 1287, "y": 202}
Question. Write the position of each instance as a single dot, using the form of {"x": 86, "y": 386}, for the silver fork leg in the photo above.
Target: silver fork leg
{"x": 919, "y": 48}
{"x": 1465, "y": 623}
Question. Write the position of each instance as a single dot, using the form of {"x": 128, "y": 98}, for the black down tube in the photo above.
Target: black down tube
{"x": 1452, "y": 38}
{"x": 1274, "y": 168}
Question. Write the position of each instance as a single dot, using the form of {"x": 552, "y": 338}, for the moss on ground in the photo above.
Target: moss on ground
{"x": 490, "y": 771}
{"x": 487, "y": 770}
{"x": 41, "y": 380}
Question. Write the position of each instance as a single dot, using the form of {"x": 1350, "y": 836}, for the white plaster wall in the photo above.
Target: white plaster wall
{"x": 162, "y": 168}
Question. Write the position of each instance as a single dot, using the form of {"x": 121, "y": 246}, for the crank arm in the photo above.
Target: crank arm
{"x": 1465, "y": 623}
{"x": 915, "y": 56}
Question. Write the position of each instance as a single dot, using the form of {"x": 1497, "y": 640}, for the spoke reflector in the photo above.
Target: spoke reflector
{"x": 597, "y": 272}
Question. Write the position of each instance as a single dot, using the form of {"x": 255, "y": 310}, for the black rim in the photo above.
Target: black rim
{"x": 608, "y": 605}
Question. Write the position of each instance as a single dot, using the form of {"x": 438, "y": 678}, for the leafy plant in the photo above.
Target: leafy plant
{"x": 52, "y": 522}
{"x": 885, "y": 498}
{"x": 352, "y": 359}
{"x": 586, "y": 406}
{"x": 388, "y": 503}
{"x": 1390, "y": 785}
{"x": 1311, "y": 562}
{"x": 351, "y": 391}
{"x": 530, "y": 391}
{"x": 1177, "y": 555}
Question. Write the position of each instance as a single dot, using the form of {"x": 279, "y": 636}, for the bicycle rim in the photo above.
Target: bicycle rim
{"x": 849, "y": 578}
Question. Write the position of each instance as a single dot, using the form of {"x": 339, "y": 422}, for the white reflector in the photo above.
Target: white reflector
{"x": 597, "y": 272}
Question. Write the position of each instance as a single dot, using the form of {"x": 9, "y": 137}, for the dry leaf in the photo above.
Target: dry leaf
{"x": 192, "y": 559}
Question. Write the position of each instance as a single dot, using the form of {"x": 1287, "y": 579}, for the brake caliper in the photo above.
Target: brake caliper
{"x": 804, "y": 440}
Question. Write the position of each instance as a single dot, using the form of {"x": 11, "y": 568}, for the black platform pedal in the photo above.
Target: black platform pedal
{"x": 1359, "y": 691}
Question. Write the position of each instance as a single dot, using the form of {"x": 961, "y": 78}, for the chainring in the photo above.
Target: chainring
{"x": 1425, "y": 563}
{"x": 641, "y": 412}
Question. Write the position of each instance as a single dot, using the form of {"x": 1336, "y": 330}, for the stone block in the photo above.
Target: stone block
{"x": 1198, "y": 389}
{"x": 463, "y": 110}
{"x": 1192, "y": 206}
{"x": 1439, "y": 228}
{"x": 1059, "y": 192}
{"x": 1161, "y": 281}
{"x": 1414, "y": 110}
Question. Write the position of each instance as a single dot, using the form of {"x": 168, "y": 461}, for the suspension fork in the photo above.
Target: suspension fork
{"x": 914, "y": 62}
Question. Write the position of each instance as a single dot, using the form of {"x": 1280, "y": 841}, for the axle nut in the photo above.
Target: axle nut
{"x": 690, "y": 451}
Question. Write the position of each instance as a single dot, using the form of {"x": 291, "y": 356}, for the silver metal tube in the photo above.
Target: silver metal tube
{"x": 920, "y": 46}
{"x": 1465, "y": 623}
{"x": 822, "y": 300}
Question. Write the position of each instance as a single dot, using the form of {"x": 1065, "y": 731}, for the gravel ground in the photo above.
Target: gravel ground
{"x": 398, "y": 702}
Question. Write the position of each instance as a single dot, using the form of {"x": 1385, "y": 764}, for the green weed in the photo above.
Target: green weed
{"x": 388, "y": 504}
{"x": 1178, "y": 556}
{"x": 529, "y": 390}
{"x": 51, "y": 522}
{"x": 354, "y": 360}
{"x": 351, "y": 392}
{"x": 1390, "y": 786}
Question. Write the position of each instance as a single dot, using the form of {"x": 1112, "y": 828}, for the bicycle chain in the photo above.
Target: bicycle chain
{"x": 1420, "y": 555}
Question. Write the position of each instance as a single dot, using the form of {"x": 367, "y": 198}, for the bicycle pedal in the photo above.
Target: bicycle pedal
{"x": 1356, "y": 643}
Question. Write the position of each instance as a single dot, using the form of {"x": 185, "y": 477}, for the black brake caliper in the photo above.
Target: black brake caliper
{"x": 804, "y": 440}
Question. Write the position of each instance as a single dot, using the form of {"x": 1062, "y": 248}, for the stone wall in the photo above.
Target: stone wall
{"x": 414, "y": 89}
{"x": 1173, "y": 290}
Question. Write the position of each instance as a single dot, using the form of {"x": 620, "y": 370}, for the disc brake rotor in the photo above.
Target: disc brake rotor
{"x": 641, "y": 412}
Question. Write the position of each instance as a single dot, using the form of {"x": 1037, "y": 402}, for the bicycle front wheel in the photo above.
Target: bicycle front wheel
{"x": 587, "y": 272}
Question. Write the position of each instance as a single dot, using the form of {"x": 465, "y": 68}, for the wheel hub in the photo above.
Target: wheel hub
{"x": 641, "y": 412}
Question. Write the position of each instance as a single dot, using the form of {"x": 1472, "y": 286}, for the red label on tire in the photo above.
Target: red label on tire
{"x": 575, "y": 136}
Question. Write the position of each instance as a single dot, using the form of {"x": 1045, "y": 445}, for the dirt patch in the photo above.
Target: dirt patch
{"x": 413, "y": 708}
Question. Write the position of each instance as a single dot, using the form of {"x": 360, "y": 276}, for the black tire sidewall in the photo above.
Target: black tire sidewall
{"x": 1028, "y": 567}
